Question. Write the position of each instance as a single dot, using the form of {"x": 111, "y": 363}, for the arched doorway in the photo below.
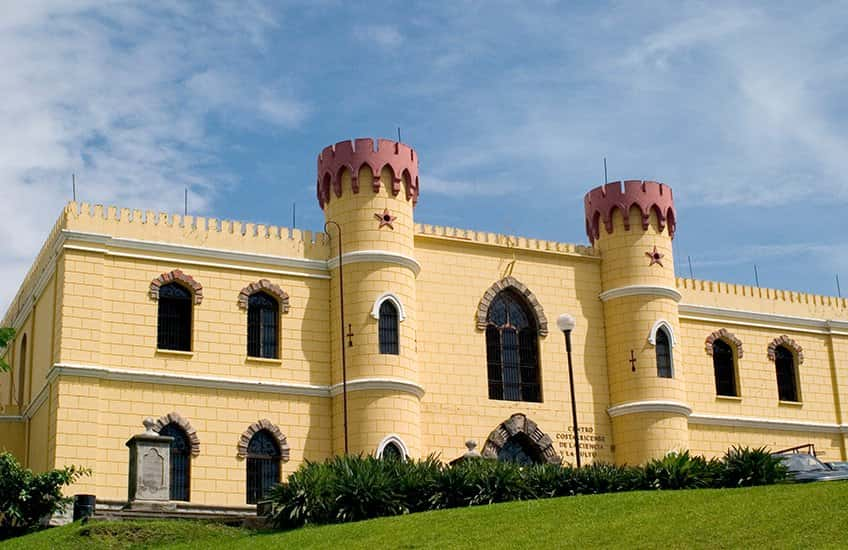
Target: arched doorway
{"x": 180, "y": 461}
{"x": 519, "y": 439}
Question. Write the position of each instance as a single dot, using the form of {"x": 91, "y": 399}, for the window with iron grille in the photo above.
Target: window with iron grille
{"x": 180, "y": 461}
{"x": 174, "y": 323}
{"x": 263, "y": 314}
{"x": 388, "y": 328}
{"x": 512, "y": 350}
{"x": 787, "y": 382}
{"x": 725, "y": 372}
{"x": 263, "y": 465}
{"x": 663, "y": 349}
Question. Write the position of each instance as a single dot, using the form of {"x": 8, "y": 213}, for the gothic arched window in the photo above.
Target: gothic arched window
{"x": 392, "y": 452}
{"x": 174, "y": 319}
{"x": 180, "y": 461}
{"x": 263, "y": 465}
{"x": 723, "y": 366}
{"x": 263, "y": 314}
{"x": 388, "y": 328}
{"x": 663, "y": 348}
{"x": 512, "y": 349}
{"x": 787, "y": 381}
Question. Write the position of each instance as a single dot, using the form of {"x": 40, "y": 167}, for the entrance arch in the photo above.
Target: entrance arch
{"x": 519, "y": 439}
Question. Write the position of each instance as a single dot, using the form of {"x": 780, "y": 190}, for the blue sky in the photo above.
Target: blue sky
{"x": 741, "y": 108}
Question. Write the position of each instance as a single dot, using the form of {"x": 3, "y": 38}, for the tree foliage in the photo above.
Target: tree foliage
{"x": 7, "y": 334}
{"x": 26, "y": 497}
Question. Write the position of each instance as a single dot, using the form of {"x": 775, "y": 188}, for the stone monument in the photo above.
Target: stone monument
{"x": 150, "y": 466}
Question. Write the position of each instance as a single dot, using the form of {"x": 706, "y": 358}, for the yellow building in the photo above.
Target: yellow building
{"x": 232, "y": 336}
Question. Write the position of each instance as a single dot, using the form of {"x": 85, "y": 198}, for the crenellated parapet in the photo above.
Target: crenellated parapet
{"x": 649, "y": 196}
{"x": 350, "y": 156}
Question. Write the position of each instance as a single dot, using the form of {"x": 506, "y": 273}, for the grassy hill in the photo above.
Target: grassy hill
{"x": 786, "y": 516}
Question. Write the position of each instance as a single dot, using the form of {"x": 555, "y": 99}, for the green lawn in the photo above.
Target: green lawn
{"x": 784, "y": 516}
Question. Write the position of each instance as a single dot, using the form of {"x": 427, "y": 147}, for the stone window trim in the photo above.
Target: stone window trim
{"x": 264, "y": 285}
{"x": 177, "y": 276}
{"x": 662, "y": 323}
{"x": 728, "y": 337}
{"x": 272, "y": 428}
{"x": 520, "y": 288}
{"x": 185, "y": 425}
{"x": 515, "y": 424}
{"x": 789, "y": 344}
{"x": 391, "y": 297}
{"x": 392, "y": 438}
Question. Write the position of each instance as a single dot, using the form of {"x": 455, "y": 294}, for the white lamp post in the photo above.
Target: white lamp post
{"x": 565, "y": 323}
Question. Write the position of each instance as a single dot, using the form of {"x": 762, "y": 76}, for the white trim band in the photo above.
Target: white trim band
{"x": 233, "y": 384}
{"x": 637, "y": 407}
{"x": 380, "y": 384}
{"x": 766, "y": 424}
{"x": 359, "y": 256}
{"x": 11, "y": 418}
{"x": 641, "y": 290}
{"x": 694, "y": 312}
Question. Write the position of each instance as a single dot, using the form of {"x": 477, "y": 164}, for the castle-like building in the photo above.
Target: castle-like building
{"x": 258, "y": 348}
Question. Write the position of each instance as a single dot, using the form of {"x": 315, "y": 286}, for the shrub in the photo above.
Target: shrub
{"x": 417, "y": 481}
{"x": 549, "y": 480}
{"x": 305, "y": 498}
{"x": 682, "y": 471}
{"x": 745, "y": 467}
{"x": 26, "y": 497}
{"x": 365, "y": 487}
{"x": 600, "y": 477}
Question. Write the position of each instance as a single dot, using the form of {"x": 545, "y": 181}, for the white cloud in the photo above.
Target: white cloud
{"x": 459, "y": 188}
{"x": 119, "y": 95}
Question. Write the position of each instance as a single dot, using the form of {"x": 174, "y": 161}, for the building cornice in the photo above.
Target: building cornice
{"x": 11, "y": 418}
{"x": 757, "y": 319}
{"x": 641, "y": 290}
{"x": 766, "y": 423}
{"x": 232, "y": 384}
{"x": 381, "y": 256}
{"x": 650, "y": 406}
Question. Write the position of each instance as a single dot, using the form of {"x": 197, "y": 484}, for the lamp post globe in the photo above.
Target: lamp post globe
{"x": 566, "y": 322}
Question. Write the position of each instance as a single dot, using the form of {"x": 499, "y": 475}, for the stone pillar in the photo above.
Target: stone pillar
{"x": 150, "y": 466}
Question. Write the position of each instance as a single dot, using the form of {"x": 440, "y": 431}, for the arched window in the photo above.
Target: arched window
{"x": 180, "y": 461}
{"x": 787, "y": 382}
{"x": 663, "y": 348}
{"x": 512, "y": 349}
{"x": 21, "y": 369}
{"x": 520, "y": 449}
{"x": 392, "y": 452}
{"x": 263, "y": 465}
{"x": 723, "y": 366}
{"x": 263, "y": 314}
{"x": 388, "y": 328}
{"x": 174, "y": 332}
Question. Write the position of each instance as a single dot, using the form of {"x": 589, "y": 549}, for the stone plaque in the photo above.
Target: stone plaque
{"x": 152, "y": 471}
{"x": 150, "y": 458}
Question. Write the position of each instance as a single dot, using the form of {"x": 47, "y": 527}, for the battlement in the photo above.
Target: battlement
{"x": 351, "y": 156}
{"x": 506, "y": 241}
{"x": 649, "y": 196}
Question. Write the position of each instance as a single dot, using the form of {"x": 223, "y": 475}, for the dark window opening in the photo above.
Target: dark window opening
{"x": 21, "y": 369}
{"x": 174, "y": 326}
{"x": 392, "y": 452}
{"x": 663, "y": 354}
{"x": 521, "y": 450}
{"x": 512, "y": 350}
{"x": 263, "y": 314}
{"x": 263, "y": 465}
{"x": 784, "y": 363}
{"x": 725, "y": 373}
{"x": 388, "y": 328}
{"x": 180, "y": 461}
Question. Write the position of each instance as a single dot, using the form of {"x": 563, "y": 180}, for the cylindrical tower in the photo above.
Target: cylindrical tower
{"x": 370, "y": 192}
{"x": 632, "y": 228}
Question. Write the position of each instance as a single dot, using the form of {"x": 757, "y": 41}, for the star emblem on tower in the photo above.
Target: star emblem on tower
{"x": 386, "y": 218}
{"x": 655, "y": 256}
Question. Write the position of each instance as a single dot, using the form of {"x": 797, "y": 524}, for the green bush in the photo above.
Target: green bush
{"x": 26, "y": 497}
{"x": 744, "y": 467}
{"x": 352, "y": 488}
{"x": 683, "y": 471}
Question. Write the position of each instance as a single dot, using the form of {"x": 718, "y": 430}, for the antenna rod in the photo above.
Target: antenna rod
{"x": 691, "y": 273}
{"x": 756, "y": 276}
{"x": 74, "y": 186}
{"x": 185, "y": 203}
{"x": 399, "y": 140}
{"x": 838, "y": 289}
{"x": 606, "y": 179}
{"x": 294, "y": 215}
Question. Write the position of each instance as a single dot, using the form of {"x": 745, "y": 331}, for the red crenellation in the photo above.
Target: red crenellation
{"x": 601, "y": 202}
{"x": 352, "y": 155}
